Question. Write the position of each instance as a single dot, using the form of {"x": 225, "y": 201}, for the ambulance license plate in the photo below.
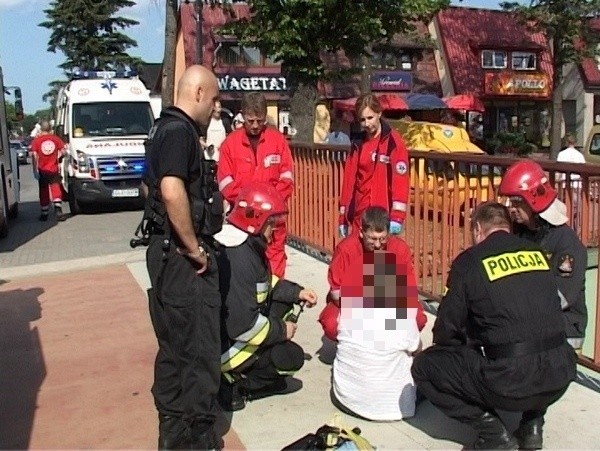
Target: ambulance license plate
{"x": 133, "y": 192}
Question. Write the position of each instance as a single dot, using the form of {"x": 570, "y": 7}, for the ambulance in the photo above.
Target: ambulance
{"x": 104, "y": 118}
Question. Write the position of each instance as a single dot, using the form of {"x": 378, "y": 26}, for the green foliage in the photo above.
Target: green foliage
{"x": 566, "y": 25}
{"x": 509, "y": 143}
{"x": 295, "y": 32}
{"x": 88, "y": 33}
{"x": 565, "y": 21}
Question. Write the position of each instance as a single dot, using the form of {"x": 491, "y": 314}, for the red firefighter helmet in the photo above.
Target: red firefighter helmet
{"x": 256, "y": 203}
{"x": 528, "y": 180}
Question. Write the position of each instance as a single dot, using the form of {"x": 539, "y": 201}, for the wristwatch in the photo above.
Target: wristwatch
{"x": 201, "y": 253}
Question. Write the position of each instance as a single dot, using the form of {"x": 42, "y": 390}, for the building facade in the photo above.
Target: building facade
{"x": 399, "y": 67}
{"x": 489, "y": 54}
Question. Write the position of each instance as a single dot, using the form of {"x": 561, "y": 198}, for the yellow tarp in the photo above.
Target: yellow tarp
{"x": 433, "y": 137}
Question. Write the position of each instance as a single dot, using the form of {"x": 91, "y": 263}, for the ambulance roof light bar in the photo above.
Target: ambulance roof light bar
{"x": 80, "y": 74}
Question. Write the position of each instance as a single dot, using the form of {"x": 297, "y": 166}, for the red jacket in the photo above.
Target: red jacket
{"x": 48, "y": 148}
{"x": 350, "y": 252}
{"x": 376, "y": 174}
{"x": 239, "y": 164}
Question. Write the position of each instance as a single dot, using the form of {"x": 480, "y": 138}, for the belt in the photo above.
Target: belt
{"x": 511, "y": 350}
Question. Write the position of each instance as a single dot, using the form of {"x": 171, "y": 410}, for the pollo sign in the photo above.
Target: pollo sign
{"x": 515, "y": 84}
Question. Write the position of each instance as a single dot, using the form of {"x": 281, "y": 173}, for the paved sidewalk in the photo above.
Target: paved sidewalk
{"x": 76, "y": 369}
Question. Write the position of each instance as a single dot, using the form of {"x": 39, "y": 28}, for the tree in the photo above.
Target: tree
{"x": 296, "y": 32}
{"x": 566, "y": 25}
{"x": 168, "y": 69}
{"x": 52, "y": 95}
{"x": 87, "y": 32}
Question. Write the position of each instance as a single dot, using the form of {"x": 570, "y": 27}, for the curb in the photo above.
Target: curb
{"x": 56, "y": 267}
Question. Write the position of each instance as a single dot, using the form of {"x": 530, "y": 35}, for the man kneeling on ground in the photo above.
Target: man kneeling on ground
{"x": 499, "y": 337}
{"x": 256, "y": 333}
{"x": 375, "y": 316}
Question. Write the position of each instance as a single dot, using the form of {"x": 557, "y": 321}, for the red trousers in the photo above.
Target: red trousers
{"x": 276, "y": 252}
{"x": 50, "y": 188}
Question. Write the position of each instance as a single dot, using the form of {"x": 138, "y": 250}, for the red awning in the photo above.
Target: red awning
{"x": 467, "y": 102}
{"x": 388, "y": 102}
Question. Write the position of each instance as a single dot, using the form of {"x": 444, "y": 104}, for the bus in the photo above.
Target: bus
{"x": 9, "y": 167}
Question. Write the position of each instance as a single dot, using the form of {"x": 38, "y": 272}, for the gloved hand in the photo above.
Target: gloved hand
{"x": 36, "y": 175}
{"x": 395, "y": 228}
{"x": 342, "y": 227}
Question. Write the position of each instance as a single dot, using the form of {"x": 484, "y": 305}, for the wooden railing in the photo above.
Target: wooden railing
{"x": 444, "y": 190}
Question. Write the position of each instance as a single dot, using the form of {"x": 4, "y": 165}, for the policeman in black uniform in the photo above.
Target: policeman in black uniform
{"x": 540, "y": 216}
{"x": 183, "y": 210}
{"x": 499, "y": 337}
{"x": 257, "y": 328}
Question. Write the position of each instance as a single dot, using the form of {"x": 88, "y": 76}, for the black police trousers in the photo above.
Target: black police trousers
{"x": 271, "y": 363}
{"x": 442, "y": 374}
{"x": 185, "y": 313}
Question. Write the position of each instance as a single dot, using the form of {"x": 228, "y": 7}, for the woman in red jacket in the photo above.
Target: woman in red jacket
{"x": 375, "y": 172}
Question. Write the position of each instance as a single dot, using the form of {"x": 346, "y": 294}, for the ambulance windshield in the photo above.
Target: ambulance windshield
{"x": 111, "y": 119}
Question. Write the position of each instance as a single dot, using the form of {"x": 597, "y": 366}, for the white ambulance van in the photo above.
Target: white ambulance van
{"x": 104, "y": 117}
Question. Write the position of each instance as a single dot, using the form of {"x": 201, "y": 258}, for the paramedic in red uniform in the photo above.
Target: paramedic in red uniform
{"x": 375, "y": 172}
{"x": 46, "y": 149}
{"x": 258, "y": 153}
{"x": 373, "y": 236}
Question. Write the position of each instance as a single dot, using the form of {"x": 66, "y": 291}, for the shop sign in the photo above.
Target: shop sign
{"x": 515, "y": 84}
{"x": 245, "y": 82}
{"x": 391, "y": 81}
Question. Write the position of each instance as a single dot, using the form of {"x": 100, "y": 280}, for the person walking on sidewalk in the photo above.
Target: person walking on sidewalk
{"x": 258, "y": 153}
{"x": 182, "y": 210}
{"x": 47, "y": 149}
{"x": 258, "y": 351}
{"x": 376, "y": 171}
{"x": 498, "y": 343}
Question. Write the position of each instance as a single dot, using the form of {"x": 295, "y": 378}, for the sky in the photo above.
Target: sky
{"x": 26, "y": 62}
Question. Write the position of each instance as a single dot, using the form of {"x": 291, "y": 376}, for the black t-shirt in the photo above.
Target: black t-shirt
{"x": 175, "y": 148}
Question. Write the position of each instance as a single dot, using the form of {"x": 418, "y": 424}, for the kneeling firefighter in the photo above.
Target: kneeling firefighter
{"x": 258, "y": 321}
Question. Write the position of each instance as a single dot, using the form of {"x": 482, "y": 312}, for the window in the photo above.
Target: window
{"x": 112, "y": 118}
{"x": 493, "y": 59}
{"x": 387, "y": 60}
{"x": 524, "y": 61}
{"x": 233, "y": 54}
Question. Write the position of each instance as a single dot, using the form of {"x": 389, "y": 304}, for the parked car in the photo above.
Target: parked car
{"x": 591, "y": 151}
{"x": 21, "y": 150}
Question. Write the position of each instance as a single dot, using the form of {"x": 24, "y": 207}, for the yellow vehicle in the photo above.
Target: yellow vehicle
{"x": 591, "y": 151}
{"x": 466, "y": 184}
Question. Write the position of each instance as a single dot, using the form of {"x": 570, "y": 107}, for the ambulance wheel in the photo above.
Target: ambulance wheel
{"x": 4, "y": 229}
{"x": 74, "y": 204}
{"x": 13, "y": 211}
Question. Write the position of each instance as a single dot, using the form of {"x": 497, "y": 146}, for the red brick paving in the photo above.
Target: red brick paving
{"x": 76, "y": 363}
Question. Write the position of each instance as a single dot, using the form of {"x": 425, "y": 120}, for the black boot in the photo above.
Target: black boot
{"x": 530, "y": 433}
{"x": 173, "y": 433}
{"x": 276, "y": 388}
{"x": 204, "y": 438}
{"x": 491, "y": 433}
{"x": 231, "y": 396}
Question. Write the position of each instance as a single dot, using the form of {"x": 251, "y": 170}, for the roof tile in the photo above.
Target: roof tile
{"x": 465, "y": 31}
